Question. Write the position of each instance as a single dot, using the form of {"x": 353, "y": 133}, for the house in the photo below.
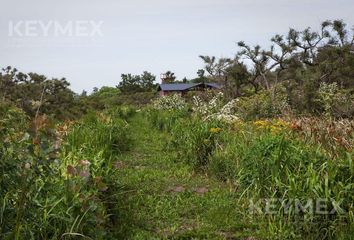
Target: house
{"x": 182, "y": 88}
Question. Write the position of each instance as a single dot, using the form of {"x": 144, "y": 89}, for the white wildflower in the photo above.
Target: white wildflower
{"x": 207, "y": 108}
{"x": 226, "y": 113}
{"x": 170, "y": 102}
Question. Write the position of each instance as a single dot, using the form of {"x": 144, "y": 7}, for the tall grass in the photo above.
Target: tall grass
{"x": 98, "y": 134}
{"x": 165, "y": 120}
{"x": 268, "y": 160}
{"x": 195, "y": 141}
{"x": 58, "y": 182}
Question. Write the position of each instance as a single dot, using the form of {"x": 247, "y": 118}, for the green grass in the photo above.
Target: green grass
{"x": 165, "y": 198}
{"x": 127, "y": 175}
{"x": 190, "y": 181}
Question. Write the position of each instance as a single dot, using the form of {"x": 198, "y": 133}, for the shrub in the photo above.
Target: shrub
{"x": 205, "y": 107}
{"x": 215, "y": 109}
{"x": 265, "y": 104}
{"x": 326, "y": 94}
{"x": 137, "y": 99}
{"x": 343, "y": 105}
{"x": 12, "y": 119}
{"x": 171, "y": 102}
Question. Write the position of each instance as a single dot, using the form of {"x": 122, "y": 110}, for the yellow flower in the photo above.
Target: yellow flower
{"x": 282, "y": 123}
{"x": 215, "y": 130}
{"x": 275, "y": 129}
{"x": 261, "y": 123}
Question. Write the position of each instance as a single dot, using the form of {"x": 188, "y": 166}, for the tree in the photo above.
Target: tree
{"x": 147, "y": 81}
{"x": 261, "y": 64}
{"x": 36, "y": 94}
{"x": 10, "y": 78}
{"x": 169, "y": 77}
{"x": 238, "y": 78}
{"x": 231, "y": 74}
{"x": 130, "y": 83}
{"x": 306, "y": 42}
{"x": 137, "y": 83}
{"x": 201, "y": 77}
{"x": 217, "y": 69}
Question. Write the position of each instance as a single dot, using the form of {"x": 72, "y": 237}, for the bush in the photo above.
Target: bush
{"x": 12, "y": 120}
{"x": 171, "y": 102}
{"x": 138, "y": 99}
{"x": 343, "y": 106}
{"x": 263, "y": 105}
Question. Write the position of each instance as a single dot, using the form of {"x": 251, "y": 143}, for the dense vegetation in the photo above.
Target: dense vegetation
{"x": 282, "y": 160}
{"x": 269, "y": 157}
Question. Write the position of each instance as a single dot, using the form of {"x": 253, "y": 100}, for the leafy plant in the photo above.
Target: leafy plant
{"x": 58, "y": 181}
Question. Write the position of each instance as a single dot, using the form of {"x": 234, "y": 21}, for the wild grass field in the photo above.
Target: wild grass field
{"x": 175, "y": 170}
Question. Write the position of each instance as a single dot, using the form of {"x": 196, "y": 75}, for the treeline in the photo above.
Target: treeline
{"x": 37, "y": 94}
{"x": 305, "y": 72}
{"x": 312, "y": 71}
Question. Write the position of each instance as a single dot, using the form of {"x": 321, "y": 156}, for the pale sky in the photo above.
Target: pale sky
{"x": 152, "y": 35}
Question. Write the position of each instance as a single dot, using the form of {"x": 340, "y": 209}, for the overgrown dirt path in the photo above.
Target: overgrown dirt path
{"x": 163, "y": 198}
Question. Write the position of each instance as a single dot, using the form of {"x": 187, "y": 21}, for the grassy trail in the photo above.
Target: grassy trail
{"x": 164, "y": 198}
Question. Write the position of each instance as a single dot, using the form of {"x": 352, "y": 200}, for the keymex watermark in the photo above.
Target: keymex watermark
{"x": 319, "y": 206}
{"x": 54, "y": 28}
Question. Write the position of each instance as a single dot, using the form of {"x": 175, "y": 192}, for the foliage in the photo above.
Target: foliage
{"x": 99, "y": 134}
{"x": 137, "y": 99}
{"x": 262, "y": 105}
{"x": 268, "y": 163}
{"x": 274, "y": 166}
{"x": 166, "y": 110}
{"x": 58, "y": 181}
{"x": 275, "y": 159}
{"x": 205, "y": 108}
{"x": 343, "y": 105}
{"x": 168, "y": 77}
{"x": 304, "y": 62}
{"x": 137, "y": 83}
{"x": 335, "y": 103}
{"x": 214, "y": 109}
{"x": 104, "y": 97}
{"x": 36, "y": 93}
{"x": 121, "y": 112}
